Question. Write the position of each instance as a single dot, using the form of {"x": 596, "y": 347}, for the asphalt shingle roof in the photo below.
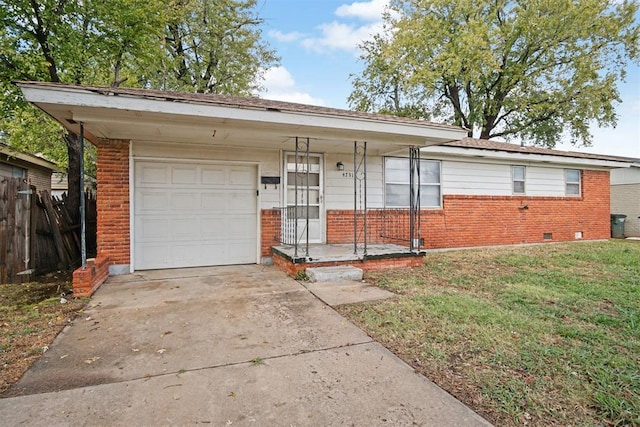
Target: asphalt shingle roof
{"x": 483, "y": 144}
{"x": 249, "y": 102}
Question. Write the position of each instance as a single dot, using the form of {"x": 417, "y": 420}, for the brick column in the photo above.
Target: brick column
{"x": 270, "y": 230}
{"x": 112, "y": 201}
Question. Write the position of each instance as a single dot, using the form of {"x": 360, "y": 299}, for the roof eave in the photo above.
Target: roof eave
{"x": 528, "y": 157}
{"x": 44, "y": 96}
{"x": 28, "y": 158}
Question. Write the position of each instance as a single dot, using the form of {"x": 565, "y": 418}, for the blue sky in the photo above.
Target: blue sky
{"x": 317, "y": 42}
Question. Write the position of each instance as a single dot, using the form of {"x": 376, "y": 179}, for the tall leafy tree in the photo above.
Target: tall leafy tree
{"x": 213, "y": 46}
{"x": 528, "y": 69}
{"x": 194, "y": 45}
{"x": 65, "y": 41}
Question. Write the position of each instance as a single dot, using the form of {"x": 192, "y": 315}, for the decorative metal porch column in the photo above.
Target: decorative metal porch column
{"x": 360, "y": 194}
{"x": 302, "y": 146}
{"x": 414, "y": 203}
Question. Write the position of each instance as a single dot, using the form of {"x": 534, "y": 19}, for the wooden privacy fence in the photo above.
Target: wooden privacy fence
{"x": 37, "y": 235}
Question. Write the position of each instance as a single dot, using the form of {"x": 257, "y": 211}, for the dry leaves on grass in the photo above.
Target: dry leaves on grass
{"x": 31, "y": 316}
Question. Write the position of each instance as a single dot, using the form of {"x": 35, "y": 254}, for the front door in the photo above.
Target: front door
{"x": 296, "y": 173}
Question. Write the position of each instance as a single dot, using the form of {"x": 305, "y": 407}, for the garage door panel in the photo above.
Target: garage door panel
{"x": 215, "y": 227}
{"x": 224, "y": 227}
{"x": 153, "y": 255}
{"x": 184, "y": 175}
{"x": 186, "y": 254}
{"x": 151, "y": 201}
{"x": 213, "y": 201}
{"x": 241, "y": 202}
{"x": 185, "y": 228}
{"x": 185, "y": 200}
{"x": 238, "y": 251}
{"x": 190, "y": 215}
{"x": 227, "y": 254}
{"x": 242, "y": 178}
{"x": 152, "y": 229}
{"x": 211, "y": 175}
{"x": 215, "y": 254}
{"x": 242, "y": 227}
{"x": 152, "y": 174}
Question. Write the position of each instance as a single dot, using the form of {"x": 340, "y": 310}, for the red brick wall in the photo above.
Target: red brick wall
{"x": 489, "y": 220}
{"x": 382, "y": 225}
{"x": 87, "y": 280}
{"x": 113, "y": 201}
{"x": 374, "y": 264}
{"x": 270, "y": 230}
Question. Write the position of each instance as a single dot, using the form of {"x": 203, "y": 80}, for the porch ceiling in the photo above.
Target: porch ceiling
{"x": 138, "y": 118}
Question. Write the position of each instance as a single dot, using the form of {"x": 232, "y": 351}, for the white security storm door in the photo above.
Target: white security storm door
{"x": 297, "y": 171}
{"x": 191, "y": 214}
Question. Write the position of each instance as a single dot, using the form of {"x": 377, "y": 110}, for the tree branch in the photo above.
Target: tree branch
{"x": 42, "y": 36}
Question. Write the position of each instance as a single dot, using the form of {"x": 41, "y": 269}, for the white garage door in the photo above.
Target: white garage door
{"x": 189, "y": 215}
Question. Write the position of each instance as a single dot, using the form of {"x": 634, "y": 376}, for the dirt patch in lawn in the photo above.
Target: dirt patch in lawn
{"x": 31, "y": 316}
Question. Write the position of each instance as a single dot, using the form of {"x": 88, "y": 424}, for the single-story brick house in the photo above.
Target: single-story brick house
{"x": 187, "y": 180}
{"x": 625, "y": 196}
{"x": 16, "y": 164}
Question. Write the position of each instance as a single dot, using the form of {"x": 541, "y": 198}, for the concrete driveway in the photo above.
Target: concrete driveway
{"x": 241, "y": 345}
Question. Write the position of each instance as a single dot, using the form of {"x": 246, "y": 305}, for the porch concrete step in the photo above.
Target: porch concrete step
{"x": 334, "y": 274}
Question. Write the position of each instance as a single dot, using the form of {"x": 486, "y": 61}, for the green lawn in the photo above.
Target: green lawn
{"x": 535, "y": 335}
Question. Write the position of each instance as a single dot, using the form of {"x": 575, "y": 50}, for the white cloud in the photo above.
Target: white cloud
{"x": 364, "y": 10}
{"x": 278, "y": 78}
{"x": 340, "y": 36}
{"x": 280, "y": 85}
{"x": 299, "y": 97}
{"x": 356, "y": 22}
{"x": 285, "y": 37}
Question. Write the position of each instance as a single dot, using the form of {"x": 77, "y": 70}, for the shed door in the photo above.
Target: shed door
{"x": 190, "y": 214}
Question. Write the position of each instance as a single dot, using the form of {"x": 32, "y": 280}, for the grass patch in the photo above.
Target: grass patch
{"x": 537, "y": 335}
{"x": 31, "y": 315}
{"x": 257, "y": 361}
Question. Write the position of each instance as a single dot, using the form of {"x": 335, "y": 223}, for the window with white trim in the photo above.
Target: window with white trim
{"x": 518, "y": 175}
{"x": 572, "y": 182}
{"x": 396, "y": 177}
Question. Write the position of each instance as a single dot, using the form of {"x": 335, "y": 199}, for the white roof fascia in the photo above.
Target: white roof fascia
{"x": 85, "y": 98}
{"x": 525, "y": 157}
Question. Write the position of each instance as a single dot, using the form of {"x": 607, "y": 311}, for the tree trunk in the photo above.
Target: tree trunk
{"x": 485, "y": 133}
{"x": 73, "y": 176}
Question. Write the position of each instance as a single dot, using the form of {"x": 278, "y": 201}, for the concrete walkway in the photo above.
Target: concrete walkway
{"x": 242, "y": 345}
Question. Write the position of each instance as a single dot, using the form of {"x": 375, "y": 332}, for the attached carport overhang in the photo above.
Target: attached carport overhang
{"x": 139, "y": 115}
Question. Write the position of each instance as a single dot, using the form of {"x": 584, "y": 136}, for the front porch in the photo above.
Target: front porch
{"x": 365, "y": 237}
{"x": 376, "y": 257}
